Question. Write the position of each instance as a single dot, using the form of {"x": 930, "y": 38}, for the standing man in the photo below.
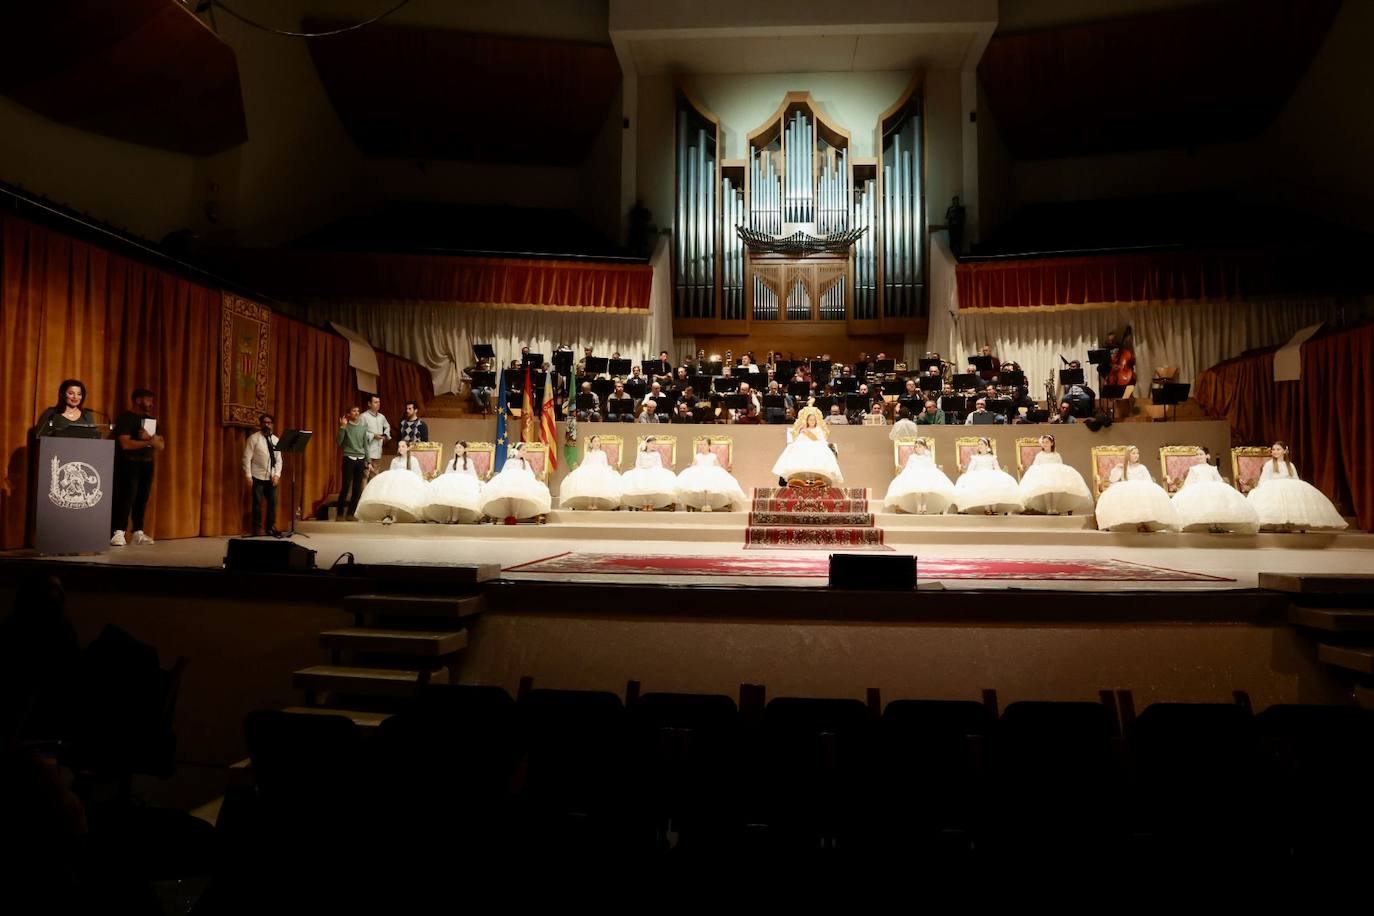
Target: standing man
{"x": 378, "y": 432}
{"x": 413, "y": 429}
{"x": 262, "y": 465}
{"x": 353, "y": 439}
{"x": 138, "y": 438}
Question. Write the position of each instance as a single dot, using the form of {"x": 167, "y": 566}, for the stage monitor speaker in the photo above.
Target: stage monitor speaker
{"x": 263, "y": 555}
{"x": 885, "y": 572}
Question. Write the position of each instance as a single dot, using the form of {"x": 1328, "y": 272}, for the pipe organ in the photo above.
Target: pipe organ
{"x": 801, "y": 229}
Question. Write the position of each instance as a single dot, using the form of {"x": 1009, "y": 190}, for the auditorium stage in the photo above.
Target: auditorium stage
{"x": 1040, "y": 552}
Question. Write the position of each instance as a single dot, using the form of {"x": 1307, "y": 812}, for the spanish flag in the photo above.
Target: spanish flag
{"x": 528, "y": 433}
{"x": 548, "y": 431}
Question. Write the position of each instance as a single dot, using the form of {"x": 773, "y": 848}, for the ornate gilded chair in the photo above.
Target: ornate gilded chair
{"x": 1174, "y": 462}
{"x": 723, "y": 446}
{"x": 430, "y": 457}
{"x": 612, "y": 445}
{"x": 1247, "y": 461}
{"x": 666, "y": 446}
{"x": 1106, "y": 458}
{"x": 968, "y": 447}
{"x": 483, "y": 457}
{"x": 1027, "y": 447}
{"x": 537, "y": 454}
{"x": 902, "y": 449}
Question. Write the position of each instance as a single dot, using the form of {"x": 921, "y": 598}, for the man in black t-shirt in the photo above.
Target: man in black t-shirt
{"x": 137, "y": 437}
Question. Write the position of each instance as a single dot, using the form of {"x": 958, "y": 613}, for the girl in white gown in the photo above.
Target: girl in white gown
{"x": 985, "y": 487}
{"x": 1051, "y": 486}
{"x": 707, "y": 486}
{"x": 1283, "y": 499}
{"x": 1205, "y": 502}
{"x": 398, "y": 494}
{"x": 1133, "y": 501}
{"x": 456, "y": 494}
{"x": 808, "y": 456}
{"x": 515, "y": 492}
{"x": 648, "y": 485}
{"x": 593, "y": 484}
{"x": 921, "y": 487}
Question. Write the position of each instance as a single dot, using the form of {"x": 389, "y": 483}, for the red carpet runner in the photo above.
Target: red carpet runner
{"x": 812, "y": 517}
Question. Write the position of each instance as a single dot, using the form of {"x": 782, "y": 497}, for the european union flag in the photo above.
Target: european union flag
{"x": 499, "y": 459}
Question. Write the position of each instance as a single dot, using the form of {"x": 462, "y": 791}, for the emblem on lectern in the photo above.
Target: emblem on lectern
{"x": 74, "y": 485}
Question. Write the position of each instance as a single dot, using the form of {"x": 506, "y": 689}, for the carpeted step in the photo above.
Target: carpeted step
{"x": 810, "y": 493}
{"x": 783, "y": 504}
{"x": 813, "y": 538}
{"x": 812, "y": 519}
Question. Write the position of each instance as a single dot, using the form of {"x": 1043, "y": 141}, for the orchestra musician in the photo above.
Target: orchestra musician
{"x": 750, "y": 413}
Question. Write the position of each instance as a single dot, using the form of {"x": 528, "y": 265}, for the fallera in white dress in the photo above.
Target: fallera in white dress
{"x": 919, "y": 479}
{"x": 648, "y": 483}
{"x": 705, "y": 484}
{"x": 1205, "y": 501}
{"x": 1133, "y": 499}
{"x": 398, "y": 492}
{"x": 984, "y": 485}
{"x": 515, "y": 491}
{"x": 1050, "y": 485}
{"x": 593, "y": 484}
{"x": 806, "y": 456}
{"x": 455, "y": 495}
{"x": 1283, "y": 498}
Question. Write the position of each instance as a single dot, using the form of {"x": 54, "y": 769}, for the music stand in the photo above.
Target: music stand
{"x": 483, "y": 351}
{"x": 930, "y": 383}
{"x": 293, "y": 442}
{"x": 1070, "y": 377}
{"x": 1170, "y": 394}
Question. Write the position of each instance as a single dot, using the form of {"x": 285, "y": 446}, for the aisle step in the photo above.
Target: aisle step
{"x": 1336, "y": 620}
{"x": 1354, "y": 658}
{"x": 378, "y": 682}
{"x": 415, "y": 606}
{"x": 399, "y": 642}
{"x": 361, "y": 718}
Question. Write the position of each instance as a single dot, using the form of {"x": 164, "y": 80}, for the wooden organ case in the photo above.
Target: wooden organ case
{"x": 802, "y": 230}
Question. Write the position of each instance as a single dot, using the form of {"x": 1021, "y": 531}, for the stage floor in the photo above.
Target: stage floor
{"x": 713, "y": 544}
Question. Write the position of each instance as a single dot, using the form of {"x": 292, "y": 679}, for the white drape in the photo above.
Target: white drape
{"x": 1191, "y": 335}
{"x": 440, "y": 335}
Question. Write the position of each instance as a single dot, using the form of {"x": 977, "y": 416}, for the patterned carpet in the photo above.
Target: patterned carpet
{"x": 776, "y": 566}
{"x": 811, "y": 518}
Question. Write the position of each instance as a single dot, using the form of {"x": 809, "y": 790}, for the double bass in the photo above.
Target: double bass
{"x": 1122, "y": 372}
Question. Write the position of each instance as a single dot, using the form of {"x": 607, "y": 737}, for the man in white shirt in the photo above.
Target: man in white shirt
{"x": 654, "y": 397}
{"x": 378, "y": 431}
{"x": 836, "y": 418}
{"x": 262, "y": 467}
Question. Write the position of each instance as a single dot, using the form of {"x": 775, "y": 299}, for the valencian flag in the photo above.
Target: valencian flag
{"x": 498, "y": 460}
{"x": 528, "y": 431}
{"x": 548, "y": 430}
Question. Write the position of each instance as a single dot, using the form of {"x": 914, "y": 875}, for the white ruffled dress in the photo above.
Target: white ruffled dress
{"x": 399, "y": 492}
{"x": 1283, "y": 498}
{"x": 705, "y": 484}
{"x": 515, "y": 491}
{"x": 648, "y": 483}
{"x": 809, "y": 457}
{"x": 1133, "y": 499}
{"x": 920, "y": 478}
{"x": 1205, "y": 501}
{"x": 593, "y": 484}
{"x": 984, "y": 485}
{"x": 1050, "y": 483}
{"x": 455, "y": 496}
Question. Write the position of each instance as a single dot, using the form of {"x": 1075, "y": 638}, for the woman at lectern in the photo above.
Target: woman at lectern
{"x": 455, "y": 496}
{"x": 1133, "y": 501}
{"x": 809, "y": 457}
{"x": 68, "y": 411}
{"x": 398, "y": 494}
{"x": 1051, "y": 486}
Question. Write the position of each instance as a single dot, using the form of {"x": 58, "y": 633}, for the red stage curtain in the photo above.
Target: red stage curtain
{"x": 496, "y": 282}
{"x": 1322, "y": 416}
{"x": 72, "y": 309}
{"x": 1161, "y": 276}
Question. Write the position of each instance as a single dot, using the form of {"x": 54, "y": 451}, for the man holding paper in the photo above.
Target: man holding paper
{"x": 137, "y": 438}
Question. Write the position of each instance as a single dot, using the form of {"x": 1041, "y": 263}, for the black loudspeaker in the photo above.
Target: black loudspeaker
{"x": 261, "y": 555}
{"x": 885, "y": 572}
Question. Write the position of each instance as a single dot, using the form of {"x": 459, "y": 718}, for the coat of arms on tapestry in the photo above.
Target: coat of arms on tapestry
{"x": 245, "y": 388}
